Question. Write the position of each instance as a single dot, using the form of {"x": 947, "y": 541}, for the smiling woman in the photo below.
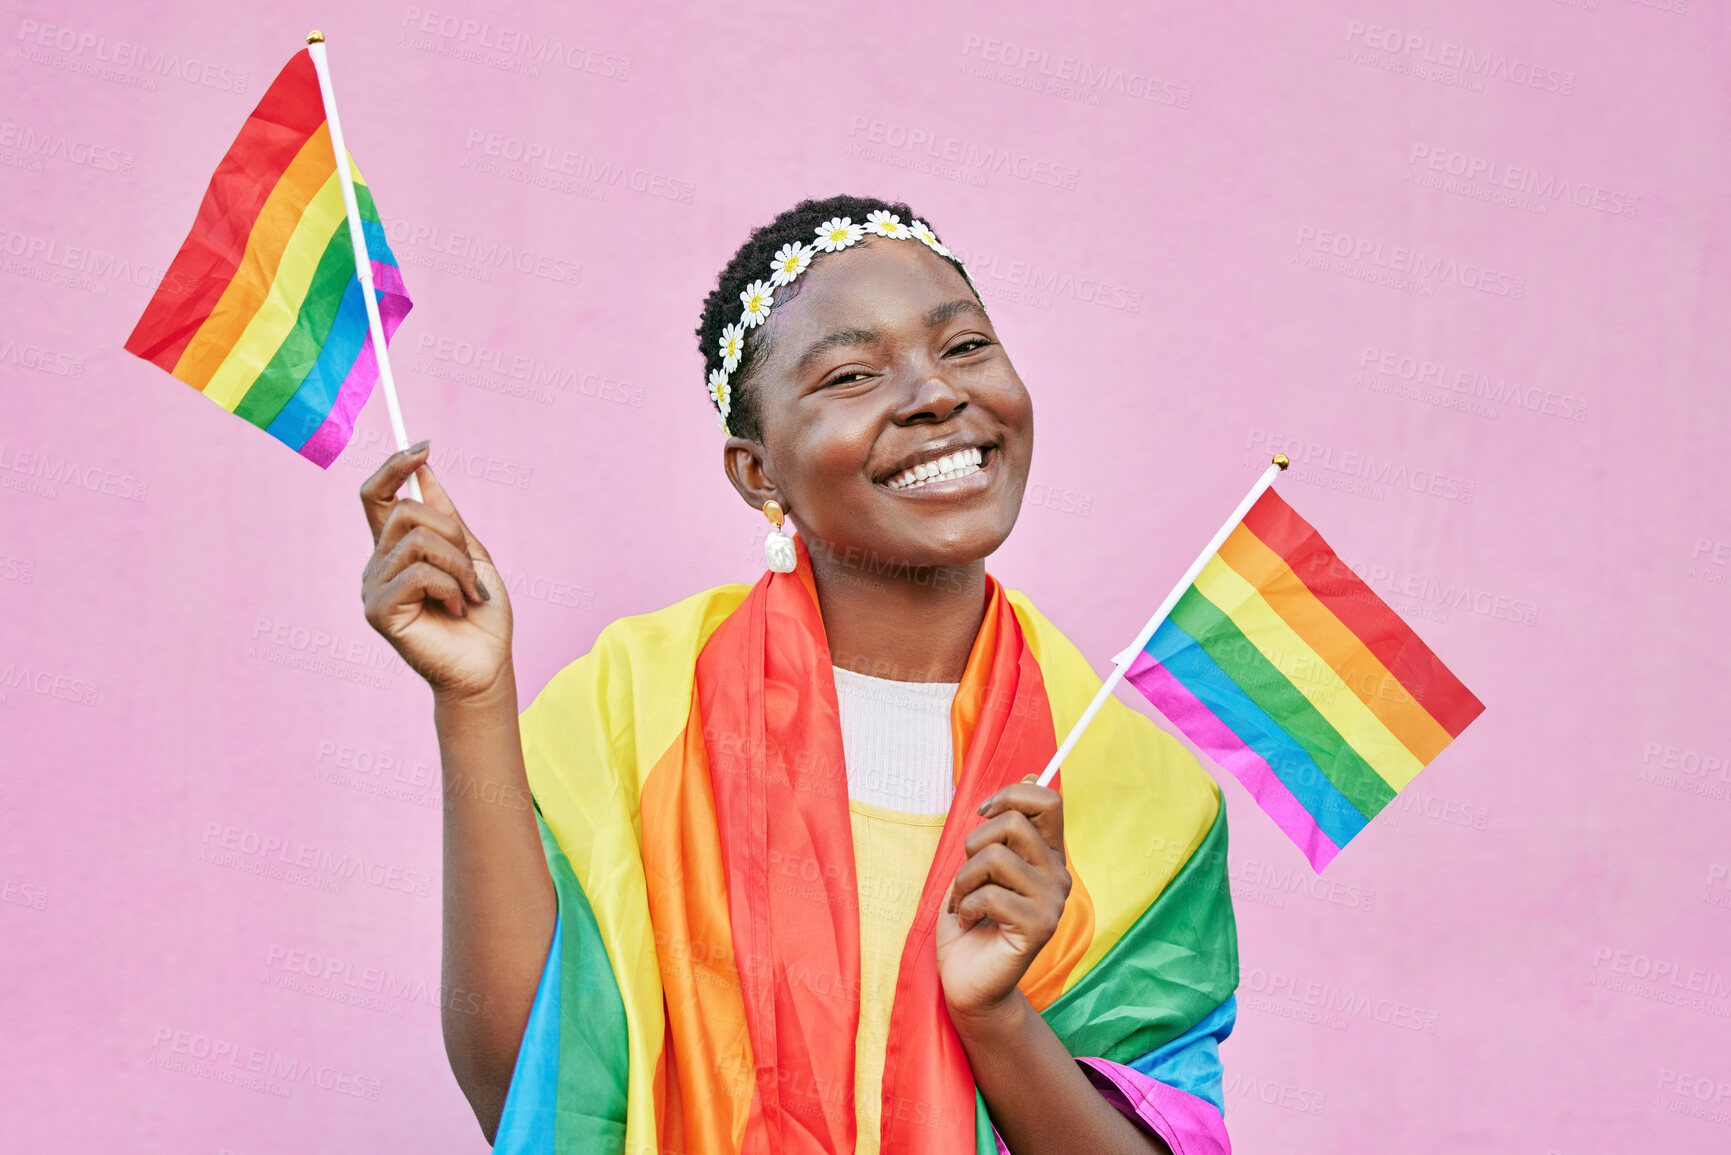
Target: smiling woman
{"x": 788, "y": 884}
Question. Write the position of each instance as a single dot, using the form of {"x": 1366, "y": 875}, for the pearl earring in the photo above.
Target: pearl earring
{"x": 778, "y": 553}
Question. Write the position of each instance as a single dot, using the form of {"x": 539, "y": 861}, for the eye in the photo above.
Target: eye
{"x": 845, "y": 377}
{"x": 966, "y": 346}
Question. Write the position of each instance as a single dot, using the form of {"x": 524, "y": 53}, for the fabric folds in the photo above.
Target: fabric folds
{"x": 702, "y": 992}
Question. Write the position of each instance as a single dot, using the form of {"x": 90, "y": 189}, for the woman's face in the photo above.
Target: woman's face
{"x": 880, "y": 362}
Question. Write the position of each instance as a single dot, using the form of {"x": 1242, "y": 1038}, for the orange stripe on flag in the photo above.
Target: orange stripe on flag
{"x": 707, "y": 1104}
{"x": 1334, "y": 643}
{"x": 246, "y": 292}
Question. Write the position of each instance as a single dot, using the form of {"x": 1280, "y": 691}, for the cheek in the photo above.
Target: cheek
{"x": 1000, "y": 389}
{"x": 829, "y": 459}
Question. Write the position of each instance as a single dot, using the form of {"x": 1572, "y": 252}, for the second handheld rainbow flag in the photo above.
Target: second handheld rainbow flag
{"x": 262, "y": 309}
{"x": 1292, "y": 674}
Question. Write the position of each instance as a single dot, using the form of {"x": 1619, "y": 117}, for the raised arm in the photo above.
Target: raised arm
{"x": 430, "y": 588}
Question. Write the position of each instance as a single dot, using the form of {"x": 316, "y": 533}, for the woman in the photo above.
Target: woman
{"x": 788, "y": 884}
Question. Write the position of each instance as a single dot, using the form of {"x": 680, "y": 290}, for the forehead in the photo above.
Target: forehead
{"x": 878, "y": 283}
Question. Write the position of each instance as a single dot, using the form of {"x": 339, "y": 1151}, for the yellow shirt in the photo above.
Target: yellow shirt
{"x": 892, "y": 853}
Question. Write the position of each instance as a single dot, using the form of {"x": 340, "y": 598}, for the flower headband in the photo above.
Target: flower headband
{"x": 790, "y": 261}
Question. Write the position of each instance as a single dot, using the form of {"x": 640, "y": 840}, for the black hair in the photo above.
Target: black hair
{"x": 721, "y": 308}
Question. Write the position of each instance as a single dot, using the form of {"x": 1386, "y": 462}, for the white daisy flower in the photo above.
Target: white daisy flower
{"x": 757, "y": 299}
{"x": 887, "y": 224}
{"x": 732, "y": 346}
{"x": 924, "y": 232}
{"x": 719, "y": 393}
{"x": 789, "y": 263}
{"x": 838, "y": 233}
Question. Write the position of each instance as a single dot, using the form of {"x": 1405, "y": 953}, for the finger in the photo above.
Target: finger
{"x": 422, "y": 544}
{"x": 1004, "y": 907}
{"x": 1043, "y": 806}
{"x": 422, "y": 582}
{"x": 436, "y": 498}
{"x": 409, "y": 514}
{"x": 998, "y": 865}
{"x": 1017, "y": 831}
{"x": 379, "y": 492}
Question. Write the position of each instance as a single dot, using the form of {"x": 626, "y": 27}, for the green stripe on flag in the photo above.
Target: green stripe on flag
{"x": 1274, "y": 693}
{"x": 594, "y": 1054}
{"x": 1175, "y": 964}
{"x": 299, "y": 351}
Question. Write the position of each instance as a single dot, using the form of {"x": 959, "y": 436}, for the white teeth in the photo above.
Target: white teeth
{"x": 958, "y": 464}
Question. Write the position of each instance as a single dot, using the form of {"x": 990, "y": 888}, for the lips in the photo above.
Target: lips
{"x": 947, "y": 467}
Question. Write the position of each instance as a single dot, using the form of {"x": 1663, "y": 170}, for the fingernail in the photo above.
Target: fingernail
{"x": 981, "y": 809}
{"x": 482, "y": 586}
{"x": 418, "y": 446}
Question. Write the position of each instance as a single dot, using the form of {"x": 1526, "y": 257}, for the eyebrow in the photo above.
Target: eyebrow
{"x": 843, "y": 337}
{"x": 954, "y": 309}
{"x": 833, "y": 341}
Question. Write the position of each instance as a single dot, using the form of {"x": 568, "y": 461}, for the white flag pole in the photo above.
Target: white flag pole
{"x": 1124, "y": 659}
{"x": 363, "y": 263}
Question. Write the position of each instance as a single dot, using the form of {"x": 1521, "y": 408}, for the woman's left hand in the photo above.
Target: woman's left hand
{"x": 1006, "y": 899}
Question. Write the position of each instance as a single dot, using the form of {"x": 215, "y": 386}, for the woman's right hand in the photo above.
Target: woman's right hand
{"x": 430, "y": 587}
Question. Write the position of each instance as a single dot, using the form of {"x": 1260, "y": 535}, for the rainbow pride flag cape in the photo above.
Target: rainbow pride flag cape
{"x": 1289, "y": 672}
{"x": 262, "y": 310}
{"x": 702, "y": 993}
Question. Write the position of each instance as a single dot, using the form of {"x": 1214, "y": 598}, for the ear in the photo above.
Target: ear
{"x": 744, "y": 461}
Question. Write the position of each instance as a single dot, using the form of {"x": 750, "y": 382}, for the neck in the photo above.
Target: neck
{"x": 910, "y": 625}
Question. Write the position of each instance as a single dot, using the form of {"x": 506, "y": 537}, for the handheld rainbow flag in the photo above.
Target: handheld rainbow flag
{"x": 1286, "y": 669}
{"x": 280, "y": 303}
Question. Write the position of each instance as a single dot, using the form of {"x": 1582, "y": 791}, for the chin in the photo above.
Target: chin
{"x": 957, "y": 545}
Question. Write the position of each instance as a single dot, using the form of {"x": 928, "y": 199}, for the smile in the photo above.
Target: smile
{"x": 952, "y": 467}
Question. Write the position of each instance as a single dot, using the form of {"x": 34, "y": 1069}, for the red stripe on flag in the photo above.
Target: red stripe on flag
{"x": 290, "y": 112}
{"x": 1383, "y": 632}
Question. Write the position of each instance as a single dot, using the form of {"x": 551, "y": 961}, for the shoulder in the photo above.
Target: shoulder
{"x": 688, "y": 620}
{"x": 640, "y": 658}
{"x": 658, "y": 635}
{"x": 1124, "y": 762}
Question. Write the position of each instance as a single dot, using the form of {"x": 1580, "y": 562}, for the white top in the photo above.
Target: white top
{"x": 895, "y": 737}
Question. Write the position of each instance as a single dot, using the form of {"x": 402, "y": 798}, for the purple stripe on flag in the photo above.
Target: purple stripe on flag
{"x": 329, "y": 439}
{"x": 388, "y": 283}
{"x": 1217, "y": 740}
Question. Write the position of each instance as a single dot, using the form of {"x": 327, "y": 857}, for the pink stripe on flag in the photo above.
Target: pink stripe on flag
{"x": 1217, "y": 740}
{"x": 329, "y": 439}
{"x": 388, "y": 282}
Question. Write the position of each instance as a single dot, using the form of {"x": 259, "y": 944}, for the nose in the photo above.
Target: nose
{"x": 932, "y": 400}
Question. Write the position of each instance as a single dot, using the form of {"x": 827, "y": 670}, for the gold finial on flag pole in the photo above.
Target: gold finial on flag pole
{"x": 315, "y": 37}
{"x": 1282, "y": 460}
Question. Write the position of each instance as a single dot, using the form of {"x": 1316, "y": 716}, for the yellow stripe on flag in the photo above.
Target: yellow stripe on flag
{"x": 275, "y": 317}
{"x": 1335, "y": 643}
{"x": 1309, "y": 674}
{"x": 281, "y": 212}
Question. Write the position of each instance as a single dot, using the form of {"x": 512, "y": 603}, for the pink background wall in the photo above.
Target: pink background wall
{"x": 1515, "y": 436}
